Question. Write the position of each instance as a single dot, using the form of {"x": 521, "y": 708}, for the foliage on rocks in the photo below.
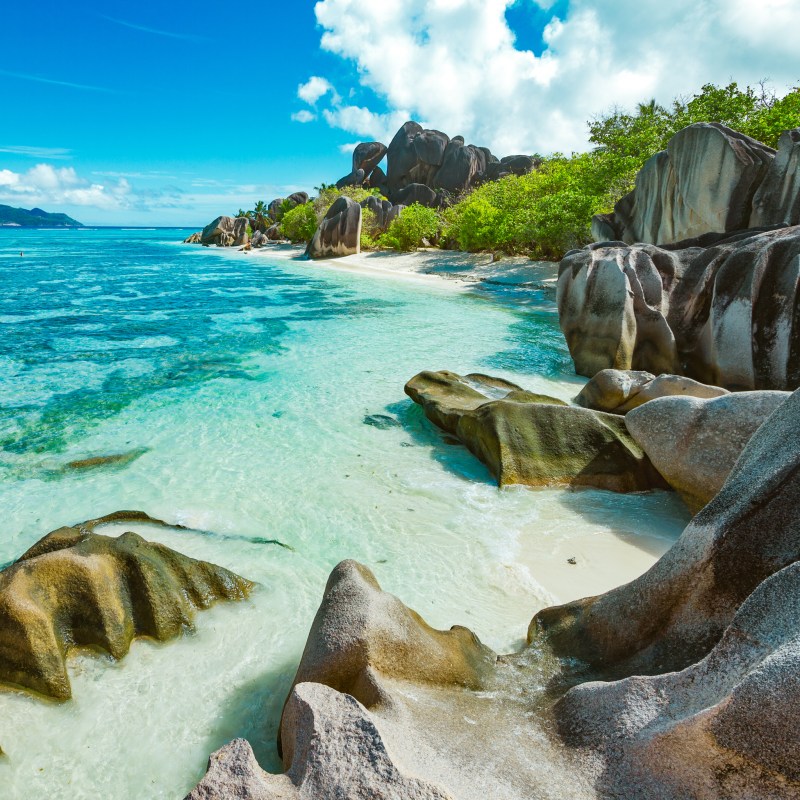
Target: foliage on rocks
{"x": 414, "y": 225}
{"x": 299, "y": 223}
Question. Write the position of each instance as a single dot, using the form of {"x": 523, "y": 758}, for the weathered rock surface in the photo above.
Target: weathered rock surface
{"x": 618, "y": 391}
{"x": 703, "y": 182}
{"x": 674, "y": 614}
{"x": 524, "y": 438}
{"x": 706, "y": 645}
{"x": 339, "y": 233}
{"x": 75, "y": 588}
{"x": 694, "y": 443}
{"x": 723, "y": 313}
{"x": 777, "y": 199}
{"x": 435, "y": 165}
{"x": 226, "y": 232}
{"x": 383, "y": 210}
{"x": 195, "y": 238}
{"x": 384, "y": 706}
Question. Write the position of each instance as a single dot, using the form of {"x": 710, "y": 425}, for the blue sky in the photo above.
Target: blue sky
{"x": 172, "y": 112}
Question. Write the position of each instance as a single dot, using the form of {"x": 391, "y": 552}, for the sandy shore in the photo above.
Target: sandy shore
{"x": 461, "y": 271}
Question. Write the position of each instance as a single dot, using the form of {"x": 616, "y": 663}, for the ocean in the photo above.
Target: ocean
{"x": 240, "y": 392}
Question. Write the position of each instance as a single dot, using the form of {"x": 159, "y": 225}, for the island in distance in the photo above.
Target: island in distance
{"x": 34, "y": 218}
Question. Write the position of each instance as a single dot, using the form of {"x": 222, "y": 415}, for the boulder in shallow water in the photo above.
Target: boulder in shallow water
{"x": 75, "y": 588}
{"x": 618, "y": 391}
{"x": 524, "y": 438}
{"x": 195, "y": 238}
{"x": 694, "y": 443}
{"x": 339, "y": 233}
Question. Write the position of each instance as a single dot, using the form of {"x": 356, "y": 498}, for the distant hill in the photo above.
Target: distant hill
{"x": 35, "y": 218}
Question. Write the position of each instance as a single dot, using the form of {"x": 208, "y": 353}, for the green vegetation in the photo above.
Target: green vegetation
{"x": 299, "y": 223}
{"x": 414, "y": 224}
{"x": 35, "y": 218}
{"x": 549, "y": 211}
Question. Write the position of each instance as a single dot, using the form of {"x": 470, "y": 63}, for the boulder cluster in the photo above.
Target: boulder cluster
{"x": 422, "y": 166}
{"x": 428, "y": 167}
{"x": 695, "y": 273}
{"x": 682, "y": 683}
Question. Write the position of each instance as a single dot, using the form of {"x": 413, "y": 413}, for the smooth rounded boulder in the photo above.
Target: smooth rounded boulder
{"x": 619, "y": 391}
{"x": 694, "y": 443}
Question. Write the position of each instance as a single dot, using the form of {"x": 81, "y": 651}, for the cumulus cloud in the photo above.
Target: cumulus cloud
{"x": 456, "y": 64}
{"x": 315, "y": 88}
{"x": 47, "y": 185}
{"x": 304, "y": 116}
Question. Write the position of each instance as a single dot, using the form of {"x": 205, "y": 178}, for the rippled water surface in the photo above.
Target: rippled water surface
{"x": 235, "y": 388}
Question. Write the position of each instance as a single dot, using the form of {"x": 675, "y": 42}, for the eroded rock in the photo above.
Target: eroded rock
{"x": 339, "y": 233}
{"x": 721, "y": 312}
{"x": 76, "y": 588}
{"x": 226, "y": 232}
{"x": 524, "y": 438}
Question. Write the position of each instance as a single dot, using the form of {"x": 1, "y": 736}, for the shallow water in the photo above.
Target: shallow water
{"x": 237, "y": 387}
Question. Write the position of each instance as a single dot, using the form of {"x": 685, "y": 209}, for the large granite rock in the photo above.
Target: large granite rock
{"x": 385, "y": 213}
{"x": 618, "y": 391}
{"x": 703, "y": 182}
{"x": 339, "y": 233}
{"x": 460, "y": 167}
{"x": 722, "y": 312}
{"x": 226, "y": 232}
{"x": 524, "y": 438}
{"x": 367, "y": 156}
{"x": 777, "y": 199}
{"x": 673, "y": 615}
{"x": 384, "y": 706}
{"x": 75, "y": 588}
{"x": 694, "y": 443}
{"x": 705, "y": 646}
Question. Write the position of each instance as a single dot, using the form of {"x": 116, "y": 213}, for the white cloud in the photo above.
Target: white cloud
{"x": 47, "y": 185}
{"x": 454, "y": 65}
{"x": 36, "y": 152}
{"x": 304, "y": 116}
{"x": 315, "y": 88}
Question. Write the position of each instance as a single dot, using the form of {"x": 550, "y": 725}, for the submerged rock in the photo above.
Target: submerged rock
{"x": 694, "y": 443}
{"x": 117, "y": 460}
{"x": 618, "y": 391}
{"x": 339, "y": 233}
{"x": 76, "y": 588}
{"x": 525, "y": 438}
{"x": 719, "y": 310}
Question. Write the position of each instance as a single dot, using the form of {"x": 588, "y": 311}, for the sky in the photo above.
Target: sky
{"x": 173, "y": 112}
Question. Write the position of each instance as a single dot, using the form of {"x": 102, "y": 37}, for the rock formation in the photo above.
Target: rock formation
{"x": 705, "y": 181}
{"x": 715, "y": 625}
{"x": 339, "y": 233}
{"x": 695, "y": 442}
{"x": 428, "y": 167}
{"x": 76, "y": 588}
{"x": 226, "y": 232}
{"x": 384, "y": 706}
{"x": 195, "y": 238}
{"x": 720, "y": 310}
{"x": 385, "y": 213}
{"x": 619, "y": 391}
{"x": 524, "y": 438}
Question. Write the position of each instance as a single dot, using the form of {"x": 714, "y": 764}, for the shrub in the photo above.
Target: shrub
{"x": 370, "y": 231}
{"x": 299, "y": 223}
{"x": 329, "y": 194}
{"x": 414, "y": 224}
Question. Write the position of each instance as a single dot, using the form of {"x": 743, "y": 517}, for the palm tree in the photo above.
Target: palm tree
{"x": 242, "y": 213}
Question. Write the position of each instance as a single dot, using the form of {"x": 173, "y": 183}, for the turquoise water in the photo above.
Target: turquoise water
{"x": 237, "y": 386}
